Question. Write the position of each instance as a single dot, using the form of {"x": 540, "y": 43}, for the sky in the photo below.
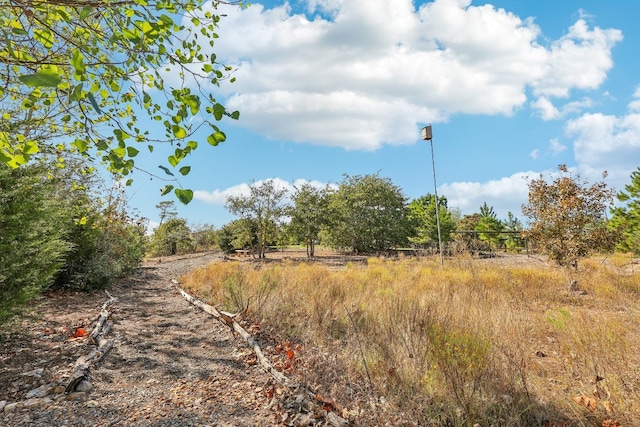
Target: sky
{"x": 511, "y": 88}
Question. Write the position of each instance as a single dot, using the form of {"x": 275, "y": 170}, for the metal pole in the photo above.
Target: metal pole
{"x": 427, "y": 134}
{"x": 435, "y": 190}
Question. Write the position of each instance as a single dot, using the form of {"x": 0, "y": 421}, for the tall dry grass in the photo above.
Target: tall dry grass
{"x": 473, "y": 342}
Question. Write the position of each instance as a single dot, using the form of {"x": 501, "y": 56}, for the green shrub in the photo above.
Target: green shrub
{"x": 107, "y": 244}
{"x": 31, "y": 235}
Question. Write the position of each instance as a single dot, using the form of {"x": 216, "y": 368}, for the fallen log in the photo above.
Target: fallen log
{"x": 104, "y": 315}
{"x": 229, "y": 320}
{"x": 102, "y": 328}
{"x": 83, "y": 364}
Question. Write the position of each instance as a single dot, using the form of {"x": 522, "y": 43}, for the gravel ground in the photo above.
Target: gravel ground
{"x": 171, "y": 364}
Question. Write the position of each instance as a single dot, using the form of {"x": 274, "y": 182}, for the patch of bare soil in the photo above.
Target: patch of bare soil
{"x": 171, "y": 364}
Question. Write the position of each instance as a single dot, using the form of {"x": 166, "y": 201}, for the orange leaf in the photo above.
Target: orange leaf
{"x": 270, "y": 392}
{"x": 290, "y": 354}
{"x": 79, "y": 333}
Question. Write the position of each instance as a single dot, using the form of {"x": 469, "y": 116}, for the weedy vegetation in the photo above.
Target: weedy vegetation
{"x": 477, "y": 342}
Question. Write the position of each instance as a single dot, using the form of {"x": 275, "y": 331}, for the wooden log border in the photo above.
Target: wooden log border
{"x": 228, "y": 319}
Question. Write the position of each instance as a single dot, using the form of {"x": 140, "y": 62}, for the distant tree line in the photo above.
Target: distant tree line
{"x": 65, "y": 228}
{"x": 362, "y": 215}
{"x": 568, "y": 218}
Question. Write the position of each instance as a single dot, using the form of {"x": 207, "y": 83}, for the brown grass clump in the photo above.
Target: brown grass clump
{"x": 474, "y": 342}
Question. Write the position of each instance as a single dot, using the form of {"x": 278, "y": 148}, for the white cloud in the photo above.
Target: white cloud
{"x": 606, "y": 142}
{"x": 578, "y": 60}
{"x": 545, "y": 109}
{"x": 634, "y": 105}
{"x": 505, "y": 194}
{"x": 219, "y": 197}
{"x": 556, "y": 147}
{"x": 378, "y": 69}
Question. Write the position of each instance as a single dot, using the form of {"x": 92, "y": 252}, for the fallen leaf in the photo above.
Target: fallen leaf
{"x": 588, "y": 402}
{"x": 290, "y": 354}
{"x": 79, "y": 333}
{"x": 269, "y": 393}
{"x": 610, "y": 423}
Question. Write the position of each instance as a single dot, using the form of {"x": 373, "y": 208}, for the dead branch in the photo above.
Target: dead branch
{"x": 229, "y": 320}
{"x": 104, "y": 315}
{"x": 81, "y": 369}
{"x": 102, "y": 328}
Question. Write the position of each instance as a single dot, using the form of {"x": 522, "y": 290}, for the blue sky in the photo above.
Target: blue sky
{"x": 512, "y": 88}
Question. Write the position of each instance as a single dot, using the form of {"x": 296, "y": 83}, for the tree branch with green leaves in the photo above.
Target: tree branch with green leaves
{"x": 91, "y": 72}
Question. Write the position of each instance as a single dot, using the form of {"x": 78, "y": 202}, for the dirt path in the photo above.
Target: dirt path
{"x": 171, "y": 364}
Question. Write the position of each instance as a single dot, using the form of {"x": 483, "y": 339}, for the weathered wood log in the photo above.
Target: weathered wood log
{"x": 229, "y": 319}
{"x": 104, "y": 315}
{"x": 336, "y": 420}
{"x": 102, "y": 328}
{"x": 81, "y": 369}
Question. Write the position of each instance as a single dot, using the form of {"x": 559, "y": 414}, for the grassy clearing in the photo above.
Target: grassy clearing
{"x": 473, "y": 342}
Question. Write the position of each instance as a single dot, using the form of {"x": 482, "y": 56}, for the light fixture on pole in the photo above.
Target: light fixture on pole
{"x": 427, "y": 135}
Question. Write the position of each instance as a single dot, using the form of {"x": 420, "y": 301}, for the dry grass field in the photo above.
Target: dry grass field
{"x": 494, "y": 342}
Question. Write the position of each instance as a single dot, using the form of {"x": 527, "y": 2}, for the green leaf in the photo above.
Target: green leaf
{"x": 120, "y": 152}
{"x": 166, "y": 189}
{"x": 81, "y": 145}
{"x": 185, "y": 170}
{"x": 173, "y": 160}
{"x": 129, "y": 182}
{"x": 85, "y": 12}
{"x": 31, "y": 147}
{"x": 194, "y": 104}
{"x": 166, "y": 170}
{"x": 218, "y": 111}
{"x": 77, "y": 61}
{"x": 44, "y": 36}
{"x": 94, "y": 103}
{"x": 150, "y": 147}
{"x": 132, "y": 152}
{"x": 185, "y": 196}
{"x": 44, "y": 78}
{"x": 76, "y": 93}
{"x": 216, "y": 138}
{"x": 178, "y": 131}
{"x": 131, "y": 35}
